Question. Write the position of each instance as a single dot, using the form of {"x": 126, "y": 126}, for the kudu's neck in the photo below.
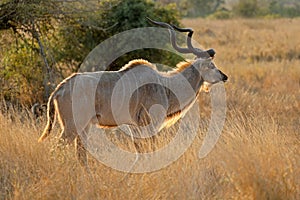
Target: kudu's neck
{"x": 187, "y": 83}
{"x": 192, "y": 75}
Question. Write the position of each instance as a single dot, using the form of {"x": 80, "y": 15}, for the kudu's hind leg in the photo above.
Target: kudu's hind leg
{"x": 80, "y": 151}
{"x": 80, "y": 147}
{"x": 131, "y": 131}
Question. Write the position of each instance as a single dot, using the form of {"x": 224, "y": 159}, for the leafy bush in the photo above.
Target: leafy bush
{"x": 200, "y": 8}
{"x": 132, "y": 14}
{"x": 246, "y": 8}
{"x": 267, "y": 8}
{"x": 221, "y": 14}
{"x": 285, "y": 9}
{"x": 80, "y": 38}
{"x": 22, "y": 75}
{"x": 66, "y": 36}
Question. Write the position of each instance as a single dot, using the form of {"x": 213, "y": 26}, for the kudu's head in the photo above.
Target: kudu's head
{"x": 203, "y": 61}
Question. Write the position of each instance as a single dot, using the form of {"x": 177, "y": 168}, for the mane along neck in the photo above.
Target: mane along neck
{"x": 182, "y": 66}
{"x": 136, "y": 63}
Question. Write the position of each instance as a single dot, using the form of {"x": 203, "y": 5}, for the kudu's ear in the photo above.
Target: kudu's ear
{"x": 211, "y": 52}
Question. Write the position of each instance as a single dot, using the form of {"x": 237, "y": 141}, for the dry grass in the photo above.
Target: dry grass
{"x": 256, "y": 157}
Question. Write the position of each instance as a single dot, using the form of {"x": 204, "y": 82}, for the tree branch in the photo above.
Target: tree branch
{"x": 47, "y": 68}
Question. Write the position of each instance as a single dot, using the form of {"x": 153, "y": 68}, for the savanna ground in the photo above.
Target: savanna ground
{"x": 256, "y": 157}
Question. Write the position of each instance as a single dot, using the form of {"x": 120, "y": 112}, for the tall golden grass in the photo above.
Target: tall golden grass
{"x": 256, "y": 157}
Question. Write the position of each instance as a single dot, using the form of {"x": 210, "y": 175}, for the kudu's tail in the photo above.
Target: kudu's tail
{"x": 50, "y": 118}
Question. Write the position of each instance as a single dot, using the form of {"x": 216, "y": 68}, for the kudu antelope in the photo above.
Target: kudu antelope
{"x": 200, "y": 73}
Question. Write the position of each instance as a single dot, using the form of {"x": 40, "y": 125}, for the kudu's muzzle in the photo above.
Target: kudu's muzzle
{"x": 224, "y": 77}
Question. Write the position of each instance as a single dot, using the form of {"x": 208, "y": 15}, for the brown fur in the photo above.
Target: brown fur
{"x": 141, "y": 62}
{"x": 137, "y": 62}
{"x": 182, "y": 66}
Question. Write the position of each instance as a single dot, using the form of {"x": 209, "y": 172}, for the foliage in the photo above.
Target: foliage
{"x": 222, "y": 9}
{"x": 21, "y": 14}
{"x": 254, "y": 8}
{"x": 284, "y": 9}
{"x": 202, "y": 7}
{"x": 22, "y": 74}
{"x": 76, "y": 38}
{"x": 53, "y": 38}
{"x": 81, "y": 37}
{"x": 246, "y": 8}
{"x": 132, "y": 14}
{"x": 220, "y": 14}
{"x": 28, "y": 20}
{"x": 196, "y": 8}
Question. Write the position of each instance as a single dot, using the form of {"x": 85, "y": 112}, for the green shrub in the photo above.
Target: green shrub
{"x": 246, "y": 8}
{"x": 131, "y": 14}
{"x": 285, "y": 9}
{"x": 22, "y": 75}
{"x": 220, "y": 14}
{"x": 67, "y": 40}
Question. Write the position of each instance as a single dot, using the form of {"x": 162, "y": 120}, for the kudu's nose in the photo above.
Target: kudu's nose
{"x": 224, "y": 77}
